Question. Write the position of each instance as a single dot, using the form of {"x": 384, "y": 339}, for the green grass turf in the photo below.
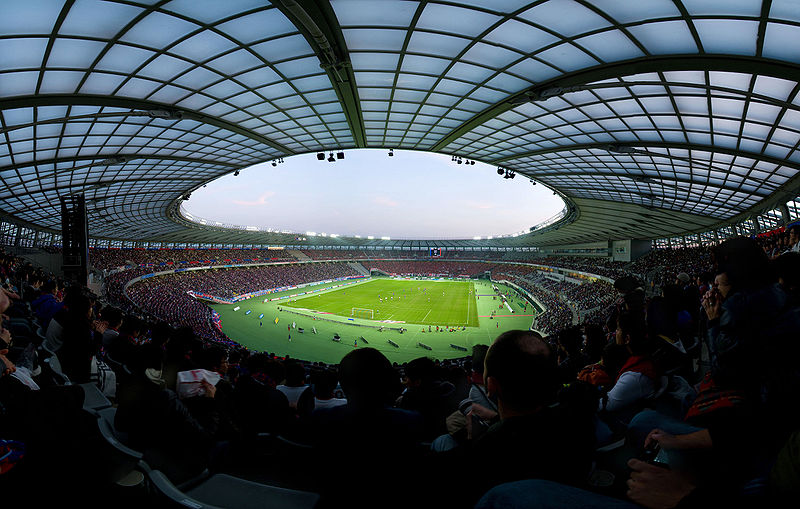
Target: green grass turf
{"x": 447, "y": 303}
{"x": 265, "y": 335}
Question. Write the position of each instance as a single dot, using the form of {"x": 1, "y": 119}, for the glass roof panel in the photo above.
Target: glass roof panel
{"x": 724, "y": 7}
{"x": 436, "y": 44}
{"x": 445, "y": 18}
{"x": 567, "y": 17}
{"x": 82, "y": 17}
{"x": 520, "y": 36}
{"x": 610, "y": 46}
{"x": 29, "y": 17}
{"x": 258, "y": 26}
{"x": 665, "y": 37}
{"x": 728, "y": 36}
{"x": 626, "y": 12}
{"x": 390, "y": 13}
{"x": 779, "y": 41}
{"x": 209, "y": 13}
{"x": 567, "y": 57}
{"x": 158, "y": 29}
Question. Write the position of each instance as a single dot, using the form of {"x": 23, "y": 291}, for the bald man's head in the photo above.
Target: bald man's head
{"x": 522, "y": 370}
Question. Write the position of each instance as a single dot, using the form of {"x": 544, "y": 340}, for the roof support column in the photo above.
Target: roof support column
{"x": 786, "y": 218}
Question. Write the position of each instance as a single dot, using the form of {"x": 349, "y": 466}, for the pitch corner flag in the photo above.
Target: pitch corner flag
{"x": 276, "y": 321}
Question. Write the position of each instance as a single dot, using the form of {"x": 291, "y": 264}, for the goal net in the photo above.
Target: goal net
{"x": 362, "y": 313}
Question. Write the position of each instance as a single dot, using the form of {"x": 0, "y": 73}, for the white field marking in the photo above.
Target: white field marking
{"x": 426, "y": 315}
{"x": 469, "y": 298}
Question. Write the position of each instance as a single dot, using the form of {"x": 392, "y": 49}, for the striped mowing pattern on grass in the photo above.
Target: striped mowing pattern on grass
{"x": 448, "y": 303}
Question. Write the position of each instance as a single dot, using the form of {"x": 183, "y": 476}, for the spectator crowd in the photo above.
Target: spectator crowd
{"x": 681, "y": 394}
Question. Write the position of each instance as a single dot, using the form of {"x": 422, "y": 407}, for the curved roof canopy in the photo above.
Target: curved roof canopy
{"x": 653, "y": 118}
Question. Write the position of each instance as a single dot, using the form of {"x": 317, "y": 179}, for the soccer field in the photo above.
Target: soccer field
{"x": 447, "y": 303}
{"x": 304, "y": 326}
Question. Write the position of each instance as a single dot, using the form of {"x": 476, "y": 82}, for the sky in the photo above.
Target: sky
{"x": 412, "y": 195}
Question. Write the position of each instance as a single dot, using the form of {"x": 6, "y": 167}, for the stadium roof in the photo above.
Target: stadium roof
{"x": 652, "y": 118}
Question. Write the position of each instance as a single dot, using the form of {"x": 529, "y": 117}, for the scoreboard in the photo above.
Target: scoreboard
{"x": 435, "y": 252}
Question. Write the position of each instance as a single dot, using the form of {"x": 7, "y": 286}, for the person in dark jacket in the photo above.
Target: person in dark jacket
{"x": 428, "y": 395}
{"x": 258, "y": 407}
{"x": 368, "y": 433}
{"x": 535, "y": 437}
{"x": 174, "y": 440}
{"x": 82, "y": 337}
{"x": 46, "y": 305}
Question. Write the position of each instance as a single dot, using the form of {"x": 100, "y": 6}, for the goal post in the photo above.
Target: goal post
{"x": 362, "y": 313}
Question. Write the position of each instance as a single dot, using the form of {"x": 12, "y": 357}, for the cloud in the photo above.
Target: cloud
{"x": 382, "y": 200}
{"x": 262, "y": 200}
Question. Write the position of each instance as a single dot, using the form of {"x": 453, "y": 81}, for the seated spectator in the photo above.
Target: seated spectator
{"x": 638, "y": 379}
{"x": 370, "y": 435}
{"x": 46, "y": 306}
{"x": 324, "y": 382}
{"x": 594, "y": 342}
{"x": 477, "y": 392}
{"x": 428, "y": 395}
{"x": 113, "y": 317}
{"x": 123, "y": 347}
{"x": 258, "y": 407}
{"x": 81, "y": 339}
{"x": 787, "y": 268}
{"x": 295, "y": 383}
{"x": 603, "y": 373}
{"x": 215, "y": 358}
{"x": 158, "y": 423}
{"x": 535, "y": 437}
{"x": 570, "y": 359}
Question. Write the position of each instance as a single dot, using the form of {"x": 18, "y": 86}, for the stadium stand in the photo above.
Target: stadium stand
{"x": 233, "y": 467}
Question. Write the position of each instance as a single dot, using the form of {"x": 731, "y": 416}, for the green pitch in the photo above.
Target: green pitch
{"x": 444, "y": 303}
{"x": 461, "y": 310}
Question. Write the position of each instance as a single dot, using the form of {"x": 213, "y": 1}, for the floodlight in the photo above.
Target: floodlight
{"x": 236, "y": 173}
{"x": 321, "y": 156}
{"x": 339, "y": 155}
{"x": 274, "y": 163}
{"x": 500, "y": 171}
{"x": 331, "y": 159}
{"x": 472, "y": 162}
{"x": 391, "y": 152}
